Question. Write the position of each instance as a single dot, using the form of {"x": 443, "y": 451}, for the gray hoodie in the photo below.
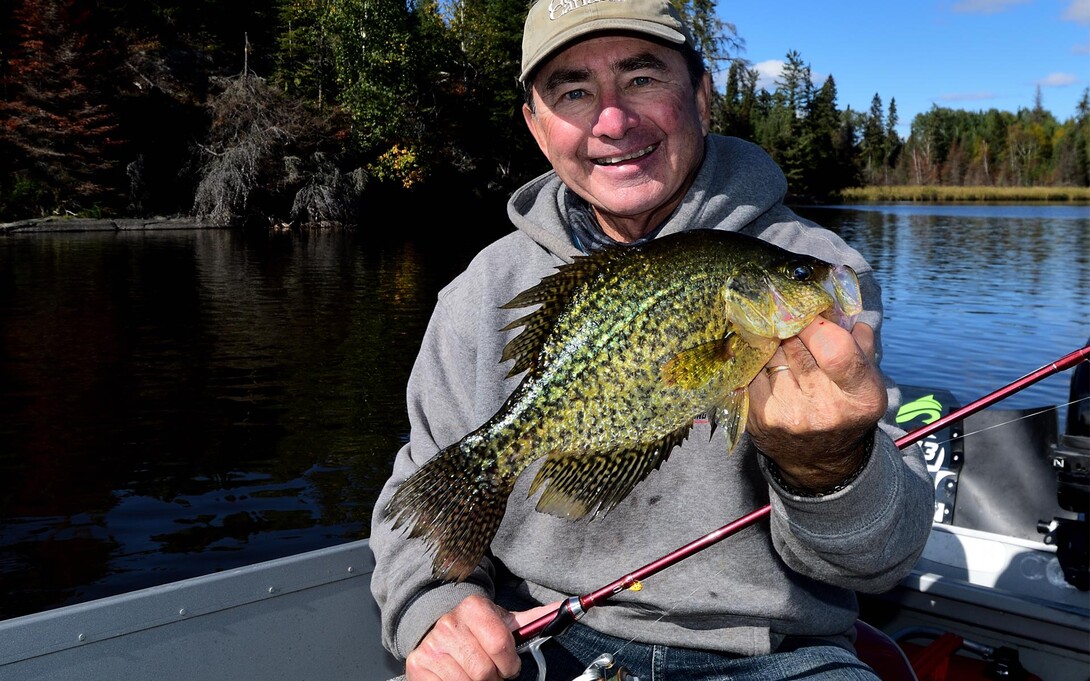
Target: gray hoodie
{"x": 795, "y": 575}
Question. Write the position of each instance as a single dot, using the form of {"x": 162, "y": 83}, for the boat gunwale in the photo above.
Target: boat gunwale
{"x": 52, "y": 631}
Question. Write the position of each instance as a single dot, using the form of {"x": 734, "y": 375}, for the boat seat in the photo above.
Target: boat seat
{"x": 882, "y": 654}
{"x": 1007, "y": 483}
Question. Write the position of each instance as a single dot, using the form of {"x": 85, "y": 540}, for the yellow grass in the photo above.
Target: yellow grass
{"x": 954, "y": 194}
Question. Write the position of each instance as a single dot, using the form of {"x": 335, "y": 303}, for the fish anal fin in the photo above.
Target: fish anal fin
{"x": 693, "y": 368}
{"x": 580, "y": 483}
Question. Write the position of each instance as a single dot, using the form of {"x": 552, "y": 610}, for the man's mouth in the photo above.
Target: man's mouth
{"x": 613, "y": 160}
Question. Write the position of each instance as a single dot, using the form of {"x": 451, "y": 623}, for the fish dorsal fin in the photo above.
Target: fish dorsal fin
{"x": 578, "y": 483}
{"x": 694, "y": 367}
{"x": 552, "y": 293}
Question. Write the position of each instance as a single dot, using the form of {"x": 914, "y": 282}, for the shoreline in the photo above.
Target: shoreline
{"x": 77, "y": 224}
{"x": 1079, "y": 196}
{"x": 966, "y": 194}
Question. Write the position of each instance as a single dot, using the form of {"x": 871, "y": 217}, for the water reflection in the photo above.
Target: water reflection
{"x": 976, "y": 296}
{"x": 177, "y": 403}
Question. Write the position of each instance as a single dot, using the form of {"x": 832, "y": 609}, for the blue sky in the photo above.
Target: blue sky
{"x": 961, "y": 54}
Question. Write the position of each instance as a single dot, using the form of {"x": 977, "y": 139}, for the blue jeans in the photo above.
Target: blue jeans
{"x": 568, "y": 656}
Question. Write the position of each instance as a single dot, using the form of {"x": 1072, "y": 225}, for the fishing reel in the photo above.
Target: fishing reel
{"x": 604, "y": 669}
{"x": 1071, "y": 461}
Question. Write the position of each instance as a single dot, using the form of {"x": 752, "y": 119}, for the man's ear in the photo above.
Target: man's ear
{"x": 703, "y": 96}
{"x": 534, "y": 125}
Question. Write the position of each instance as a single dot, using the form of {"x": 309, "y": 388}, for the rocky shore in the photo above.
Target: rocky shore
{"x": 74, "y": 224}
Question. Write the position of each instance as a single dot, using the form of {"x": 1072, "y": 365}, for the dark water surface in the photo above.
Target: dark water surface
{"x": 176, "y": 403}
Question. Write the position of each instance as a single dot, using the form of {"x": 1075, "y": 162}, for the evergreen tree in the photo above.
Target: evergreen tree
{"x": 784, "y": 137}
{"x": 491, "y": 136}
{"x": 893, "y": 142}
{"x": 61, "y": 125}
{"x": 380, "y": 74}
{"x": 716, "y": 40}
{"x": 823, "y": 176}
{"x": 847, "y": 149}
{"x": 734, "y": 113}
{"x": 305, "y": 57}
{"x": 874, "y": 143}
{"x": 1080, "y": 137}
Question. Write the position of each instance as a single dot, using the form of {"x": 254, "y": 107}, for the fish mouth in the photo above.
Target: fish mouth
{"x": 767, "y": 316}
{"x": 614, "y": 160}
{"x": 775, "y": 315}
{"x": 842, "y": 285}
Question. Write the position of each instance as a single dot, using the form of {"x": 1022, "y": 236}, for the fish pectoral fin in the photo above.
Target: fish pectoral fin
{"x": 693, "y": 368}
{"x": 732, "y": 415}
{"x": 581, "y": 483}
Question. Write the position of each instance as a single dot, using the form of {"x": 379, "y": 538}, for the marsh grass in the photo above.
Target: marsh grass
{"x": 966, "y": 194}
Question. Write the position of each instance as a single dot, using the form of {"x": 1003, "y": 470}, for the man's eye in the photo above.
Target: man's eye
{"x": 573, "y": 95}
{"x": 640, "y": 81}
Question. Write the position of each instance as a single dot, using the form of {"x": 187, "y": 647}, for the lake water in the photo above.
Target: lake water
{"x": 176, "y": 403}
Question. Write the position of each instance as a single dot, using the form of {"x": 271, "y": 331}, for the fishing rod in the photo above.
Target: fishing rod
{"x": 574, "y": 607}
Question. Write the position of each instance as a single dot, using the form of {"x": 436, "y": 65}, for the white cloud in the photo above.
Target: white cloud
{"x": 986, "y": 6}
{"x": 1084, "y": 48}
{"x": 1078, "y": 11}
{"x": 1058, "y": 80}
{"x": 769, "y": 71}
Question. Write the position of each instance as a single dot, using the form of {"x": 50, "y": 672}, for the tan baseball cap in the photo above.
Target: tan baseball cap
{"x": 551, "y": 24}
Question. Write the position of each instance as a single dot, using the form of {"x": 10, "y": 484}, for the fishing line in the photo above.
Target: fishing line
{"x": 574, "y": 608}
{"x": 669, "y": 611}
{"x": 1014, "y": 420}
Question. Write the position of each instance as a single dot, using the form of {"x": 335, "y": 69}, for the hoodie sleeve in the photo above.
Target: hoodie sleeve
{"x": 867, "y": 536}
{"x": 439, "y": 397}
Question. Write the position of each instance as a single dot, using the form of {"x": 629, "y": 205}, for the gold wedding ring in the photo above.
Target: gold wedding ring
{"x": 776, "y": 369}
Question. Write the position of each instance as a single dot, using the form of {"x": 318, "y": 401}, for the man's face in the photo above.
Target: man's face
{"x": 619, "y": 121}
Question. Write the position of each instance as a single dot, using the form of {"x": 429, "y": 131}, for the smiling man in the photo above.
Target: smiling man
{"x": 618, "y": 101}
{"x": 623, "y": 123}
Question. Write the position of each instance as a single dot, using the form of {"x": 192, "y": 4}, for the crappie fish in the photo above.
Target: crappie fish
{"x": 628, "y": 346}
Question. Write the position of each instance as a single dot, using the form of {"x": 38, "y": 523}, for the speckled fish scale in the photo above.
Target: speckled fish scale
{"x": 628, "y": 346}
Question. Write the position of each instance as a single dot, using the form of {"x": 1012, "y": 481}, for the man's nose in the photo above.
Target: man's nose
{"x": 615, "y": 117}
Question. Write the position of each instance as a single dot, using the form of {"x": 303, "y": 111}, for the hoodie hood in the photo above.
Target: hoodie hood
{"x": 736, "y": 184}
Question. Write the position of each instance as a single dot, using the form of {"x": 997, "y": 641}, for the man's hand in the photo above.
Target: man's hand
{"x": 472, "y": 642}
{"x": 812, "y": 418}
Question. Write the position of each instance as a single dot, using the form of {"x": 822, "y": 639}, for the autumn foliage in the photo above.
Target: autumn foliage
{"x": 60, "y": 128}
{"x": 300, "y": 112}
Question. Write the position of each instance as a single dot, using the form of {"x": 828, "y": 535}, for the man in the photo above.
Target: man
{"x": 618, "y": 101}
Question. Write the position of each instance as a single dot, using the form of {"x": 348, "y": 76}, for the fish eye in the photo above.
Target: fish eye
{"x": 802, "y": 272}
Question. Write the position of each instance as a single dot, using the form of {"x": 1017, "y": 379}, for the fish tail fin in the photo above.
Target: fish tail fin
{"x": 455, "y": 505}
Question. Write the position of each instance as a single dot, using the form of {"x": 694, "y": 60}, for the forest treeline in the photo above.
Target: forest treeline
{"x": 306, "y": 112}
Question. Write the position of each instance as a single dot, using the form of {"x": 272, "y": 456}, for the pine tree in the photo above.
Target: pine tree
{"x": 60, "y": 124}
{"x": 893, "y": 142}
{"x": 784, "y": 137}
{"x": 734, "y": 113}
{"x": 1081, "y": 140}
{"x": 305, "y": 56}
{"x": 823, "y": 177}
{"x": 874, "y": 143}
{"x": 486, "y": 107}
{"x": 380, "y": 79}
{"x": 716, "y": 40}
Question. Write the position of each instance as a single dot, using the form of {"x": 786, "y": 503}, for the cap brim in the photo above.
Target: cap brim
{"x": 610, "y": 25}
